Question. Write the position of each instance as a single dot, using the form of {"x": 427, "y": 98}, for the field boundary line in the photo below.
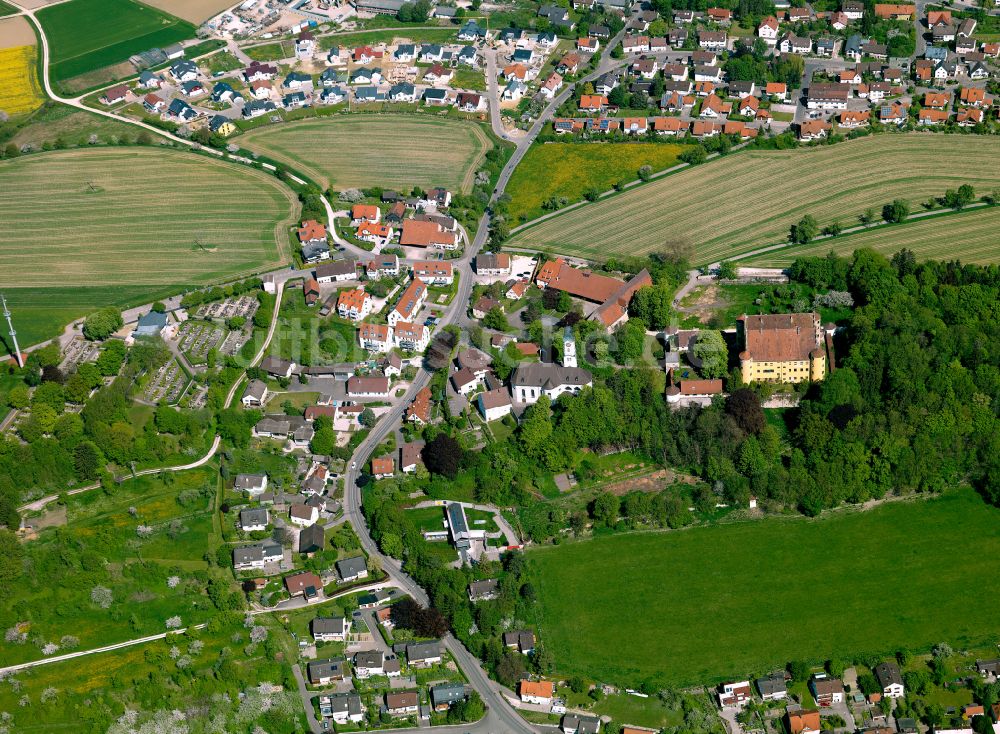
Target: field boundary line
{"x": 629, "y": 185}
{"x": 916, "y": 217}
{"x": 574, "y": 239}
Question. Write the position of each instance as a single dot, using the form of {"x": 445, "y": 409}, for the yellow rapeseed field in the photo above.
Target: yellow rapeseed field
{"x": 19, "y": 89}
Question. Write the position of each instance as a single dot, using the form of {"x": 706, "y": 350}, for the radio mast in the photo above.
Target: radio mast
{"x": 13, "y": 334}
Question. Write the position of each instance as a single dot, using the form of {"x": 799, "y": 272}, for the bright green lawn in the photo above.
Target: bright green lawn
{"x": 638, "y": 711}
{"x": 697, "y": 606}
{"x": 88, "y": 34}
{"x": 41, "y": 314}
{"x": 570, "y": 169}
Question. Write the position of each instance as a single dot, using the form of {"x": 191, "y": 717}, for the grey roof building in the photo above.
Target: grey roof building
{"x": 352, "y": 568}
{"x": 253, "y": 517}
{"x": 277, "y": 366}
{"x": 326, "y": 670}
{"x": 581, "y": 724}
{"x": 328, "y": 627}
{"x": 446, "y": 694}
{"x": 480, "y": 590}
{"x": 423, "y": 652}
{"x": 772, "y": 687}
{"x": 549, "y": 376}
{"x": 341, "y": 706}
{"x": 311, "y": 539}
{"x": 368, "y": 659}
{"x": 151, "y": 324}
{"x": 522, "y": 640}
{"x": 250, "y": 482}
{"x": 888, "y": 675}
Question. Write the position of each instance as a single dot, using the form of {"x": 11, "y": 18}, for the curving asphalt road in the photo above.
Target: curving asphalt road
{"x": 500, "y": 716}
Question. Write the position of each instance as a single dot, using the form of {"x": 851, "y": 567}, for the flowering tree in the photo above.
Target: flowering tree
{"x": 173, "y": 623}
{"x": 102, "y": 597}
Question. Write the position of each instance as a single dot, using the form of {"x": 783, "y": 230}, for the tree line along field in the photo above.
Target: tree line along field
{"x": 750, "y": 199}
{"x": 85, "y": 35}
{"x": 395, "y": 151}
{"x": 119, "y": 223}
{"x": 970, "y": 236}
{"x": 697, "y": 606}
{"x": 570, "y": 170}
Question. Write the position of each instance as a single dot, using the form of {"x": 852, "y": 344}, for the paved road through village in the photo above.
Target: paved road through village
{"x": 501, "y": 717}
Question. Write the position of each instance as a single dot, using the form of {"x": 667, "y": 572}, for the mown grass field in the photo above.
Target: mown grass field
{"x": 20, "y": 92}
{"x": 750, "y": 199}
{"x": 972, "y": 236}
{"x": 568, "y": 169}
{"x": 86, "y": 228}
{"x": 85, "y": 35}
{"x": 696, "y": 606}
{"x": 394, "y": 151}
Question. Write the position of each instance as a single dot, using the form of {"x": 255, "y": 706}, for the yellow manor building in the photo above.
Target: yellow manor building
{"x": 784, "y": 347}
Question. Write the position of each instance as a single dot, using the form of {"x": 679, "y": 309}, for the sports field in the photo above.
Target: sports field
{"x": 697, "y": 606}
{"x": 740, "y": 202}
{"x": 85, "y": 35}
{"x": 570, "y": 169}
{"x": 970, "y": 236}
{"x": 394, "y": 151}
{"x": 105, "y": 220}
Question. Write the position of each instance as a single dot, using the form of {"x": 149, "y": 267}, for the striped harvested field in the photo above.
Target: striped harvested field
{"x": 739, "y": 203}
{"x": 394, "y": 151}
{"x": 972, "y": 236}
{"x": 20, "y": 92}
{"x": 137, "y": 216}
